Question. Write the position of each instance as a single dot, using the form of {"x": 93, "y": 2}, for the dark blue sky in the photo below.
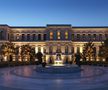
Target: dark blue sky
{"x": 42, "y": 12}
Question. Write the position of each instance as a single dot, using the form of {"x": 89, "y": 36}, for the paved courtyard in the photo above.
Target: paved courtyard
{"x": 26, "y": 78}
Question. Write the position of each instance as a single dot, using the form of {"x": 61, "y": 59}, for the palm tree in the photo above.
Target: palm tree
{"x": 89, "y": 50}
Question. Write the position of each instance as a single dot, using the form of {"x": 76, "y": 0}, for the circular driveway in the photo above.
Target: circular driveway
{"x": 26, "y": 78}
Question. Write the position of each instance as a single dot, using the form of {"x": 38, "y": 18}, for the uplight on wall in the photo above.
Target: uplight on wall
{"x": 5, "y": 58}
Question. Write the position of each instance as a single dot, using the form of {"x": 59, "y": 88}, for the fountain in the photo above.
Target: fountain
{"x": 58, "y": 67}
{"x": 58, "y": 61}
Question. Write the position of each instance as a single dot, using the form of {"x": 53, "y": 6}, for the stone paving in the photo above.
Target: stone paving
{"x": 26, "y": 78}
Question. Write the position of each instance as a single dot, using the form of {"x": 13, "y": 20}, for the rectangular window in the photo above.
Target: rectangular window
{"x": 84, "y": 37}
{"x": 1, "y": 35}
{"x": 72, "y": 36}
{"x": 100, "y": 36}
{"x": 44, "y": 37}
{"x": 66, "y": 35}
{"x": 94, "y": 36}
{"x": 106, "y": 36}
{"x": 78, "y": 36}
{"x": 23, "y": 37}
{"x": 51, "y": 35}
{"x": 58, "y": 35}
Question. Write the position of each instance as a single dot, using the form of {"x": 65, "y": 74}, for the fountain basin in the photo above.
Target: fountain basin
{"x": 58, "y": 63}
{"x": 58, "y": 69}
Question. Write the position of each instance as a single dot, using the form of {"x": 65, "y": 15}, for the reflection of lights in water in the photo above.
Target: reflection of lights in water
{"x": 59, "y": 81}
{"x": 88, "y": 72}
{"x": 7, "y": 78}
{"x": 27, "y": 71}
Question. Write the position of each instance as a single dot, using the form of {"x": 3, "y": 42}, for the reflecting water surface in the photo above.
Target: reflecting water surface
{"x": 26, "y": 77}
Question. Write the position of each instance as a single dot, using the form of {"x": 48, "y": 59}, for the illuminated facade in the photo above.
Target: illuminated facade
{"x": 52, "y": 39}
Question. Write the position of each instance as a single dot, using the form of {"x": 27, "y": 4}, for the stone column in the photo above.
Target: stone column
{"x": 75, "y": 49}
{"x": 97, "y": 52}
{"x": 42, "y": 49}
{"x": 36, "y": 49}
{"x": 81, "y": 49}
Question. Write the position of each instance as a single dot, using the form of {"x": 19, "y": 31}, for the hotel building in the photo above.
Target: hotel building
{"x": 52, "y": 39}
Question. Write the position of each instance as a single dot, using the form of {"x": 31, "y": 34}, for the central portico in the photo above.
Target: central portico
{"x": 59, "y": 49}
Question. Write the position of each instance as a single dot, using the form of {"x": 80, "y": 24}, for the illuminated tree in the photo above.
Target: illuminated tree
{"x": 28, "y": 51}
{"x": 89, "y": 50}
{"x": 103, "y": 52}
{"x": 8, "y": 50}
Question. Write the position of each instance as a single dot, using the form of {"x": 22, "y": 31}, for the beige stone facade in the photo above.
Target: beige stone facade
{"x": 52, "y": 39}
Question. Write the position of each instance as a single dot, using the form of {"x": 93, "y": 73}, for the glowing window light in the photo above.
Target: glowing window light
{"x": 58, "y": 35}
{"x": 51, "y": 35}
{"x": 66, "y": 35}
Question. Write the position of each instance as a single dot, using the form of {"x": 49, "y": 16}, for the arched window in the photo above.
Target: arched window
{"x": 17, "y": 37}
{"x": 84, "y": 37}
{"x": 23, "y": 37}
{"x": 33, "y": 37}
{"x": 89, "y": 36}
{"x": 28, "y": 37}
{"x": 44, "y": 37}
{"x": 39, "y": 36}
{"x": 100, "y": 36}
{"x": 94, "y": 36}
{"x": 1, "y": 35}
{"x": 78, "y": 36}
{"x": 51, "y": 35}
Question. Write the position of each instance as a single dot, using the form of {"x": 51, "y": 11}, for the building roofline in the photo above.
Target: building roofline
{"x": 27, "y": 27}
{"x": 90, "y": 27}
{"x": 49, "y": 25}
{"x": 3, "y": 25}
{"x": 59, "y": 25}
{"x": 55, "y": 26}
